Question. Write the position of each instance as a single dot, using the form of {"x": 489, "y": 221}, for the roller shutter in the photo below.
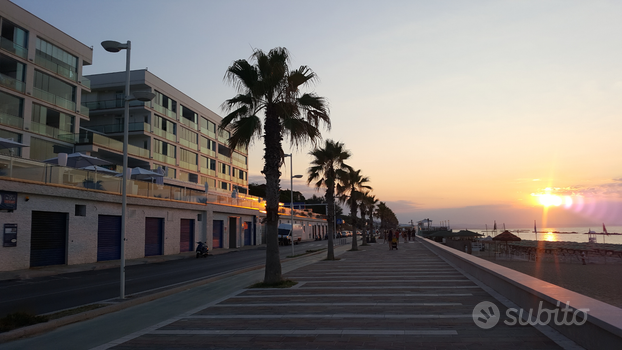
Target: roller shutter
{"x": 108, "y": 237}
{"x": 217, "y": 234}
{"x": 48, "y": 241}
{"x": 154, "y": 236}
{"x": 186, "y": 235}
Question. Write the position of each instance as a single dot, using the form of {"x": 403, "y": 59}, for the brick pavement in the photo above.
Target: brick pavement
{"x": 371, "y": 299}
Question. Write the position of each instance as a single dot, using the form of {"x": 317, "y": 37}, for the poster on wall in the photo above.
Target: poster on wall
{"x": 8, "y": 200}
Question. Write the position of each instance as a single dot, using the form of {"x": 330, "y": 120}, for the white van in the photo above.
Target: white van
{"x": 284, "y": 234}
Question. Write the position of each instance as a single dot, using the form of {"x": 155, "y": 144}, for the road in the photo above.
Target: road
{"x": 53, "y": 293}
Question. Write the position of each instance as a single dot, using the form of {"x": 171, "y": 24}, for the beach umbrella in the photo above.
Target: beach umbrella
{"x": 8, "y": 144}
{"x": 76, "y": 160}
{"x": 99, "y": 169}
{"x": 144, "y": 174}
{"x": 506, "y": 236}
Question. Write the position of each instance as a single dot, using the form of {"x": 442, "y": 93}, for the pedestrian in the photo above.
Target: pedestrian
{"x": 390, "y": 239}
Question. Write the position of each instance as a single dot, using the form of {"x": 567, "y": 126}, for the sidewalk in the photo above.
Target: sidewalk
{"x": 370, "y": 299}
{"x": 102, "y": 265}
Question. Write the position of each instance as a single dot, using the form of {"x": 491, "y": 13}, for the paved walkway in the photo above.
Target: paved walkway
{"x": 371, "y": 299}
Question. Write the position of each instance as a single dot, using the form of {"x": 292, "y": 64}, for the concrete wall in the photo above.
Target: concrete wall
{"x": 603, "y": 329}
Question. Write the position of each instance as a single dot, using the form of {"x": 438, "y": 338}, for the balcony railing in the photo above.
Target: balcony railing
{"x": 189, "y": 123}
{"x": 188, "y": 144}
{"x": 224, "y": 176}
{"x": 208, "y": 152}
{"x": 56, "y": 68}
{"x": 11, "y": 120}
{"x": 115, "y": 128}
{"x": 207, "y": 171}
{"x": 162, "y": 133}
{"x": 84, "y": 110}
{"x": 188, "y": 166}
{"x": 111, "y": 104}
{"x": 87, "y": 137}
{"x": 208, "y": 132}
{"x": 238, "y": 163}
{"x": 12, "y": 83}
{"x": 14, "y": 48}
{"x": 53, "y": 99}
{"x": 47, "y": 130}
{"x": 167, "y": 112}
{"x": 86, "y": 82}
{"x": 163, "y": 158}
{"x": 224, "y": 158}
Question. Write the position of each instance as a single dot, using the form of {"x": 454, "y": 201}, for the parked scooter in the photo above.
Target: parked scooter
{"x": 201, "y": 250}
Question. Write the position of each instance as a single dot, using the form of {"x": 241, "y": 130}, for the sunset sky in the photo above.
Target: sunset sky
{"x": 457, "y": 110}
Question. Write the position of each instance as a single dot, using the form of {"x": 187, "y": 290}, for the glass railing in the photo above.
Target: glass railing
{"x": 224, "y": 176}
{"x": 239, "y": 164}
{"x": 163, "y": 158}
{"x": 188, "y": 166}
{"x": 47, "y": 130}
{"x": 224, "y": 158}
{"x": 115, "y": 128}
{"x": 84, "y": 110}
{"x": 207, "y": 171}
{"x": 162, "y": 133}
{"x": 208, "y": 132}
{"x": 106, "y": 142}
{"x": 53, "y": 99}
{"x": 11, "y": 120}
{"x": 208, "y": 152}
{"x": 167, "y": 112}
{"x": 108, "y": 104}
{"x": 224, "y": 140}
{"x": 14, "y": 48}
{"x": 56, "y": 68}
{"x": 188, "y": 123}
{"x": 188, "y": 144}
{"x": 86, "y": 82}
{"x": 12, "y": 83}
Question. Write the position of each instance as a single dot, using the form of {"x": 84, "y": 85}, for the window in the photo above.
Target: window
{"x": 165, "y": 101}
{"x": 188, "y": 135}
{"x": 189, "y": 114}
{"x": 10, "y": 106}
{"x": 164, "y": 148}
{"x": 224, "y": 150}
{"x": 12, "y": 73}
{"x": 52, "y": 118}
{"x": 187, "y": 156}
{"x": 165, "y": 124}
{"x": 225, "y": 169}
{"x": 212, "y": 164}
{"x": 207, "y": 143}
{"x": 15, "y": 35}
{"x": 225, "y": 186}
{"x": 241, "y": 174}
{"x": 61, "y": 61}
{"x": 13, "y": 137}
{"x": 54, "y": 86}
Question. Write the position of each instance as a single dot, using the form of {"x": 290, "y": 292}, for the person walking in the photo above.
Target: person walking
{"x": 390, "y": 239}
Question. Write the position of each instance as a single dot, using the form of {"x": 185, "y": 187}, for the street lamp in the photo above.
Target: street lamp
{"x": 145, "y": 96}
{"x": 291, "y": 190}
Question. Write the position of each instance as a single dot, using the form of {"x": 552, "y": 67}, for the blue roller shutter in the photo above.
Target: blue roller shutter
{"x": 217, "y": 233}
{"x": 108, "y": 237}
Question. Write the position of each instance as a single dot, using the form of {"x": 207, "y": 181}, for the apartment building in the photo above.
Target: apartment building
{"x": 41, "y": 84}
{"x": 172, "y": 132}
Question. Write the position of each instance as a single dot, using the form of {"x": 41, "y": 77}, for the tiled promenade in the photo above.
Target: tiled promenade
{"x": 371, "y": 299}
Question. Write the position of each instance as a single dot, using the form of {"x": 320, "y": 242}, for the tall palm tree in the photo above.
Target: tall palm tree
{"x": 371, "y": 205}
{"x": 353, "y": 184}
{"x": 326, "y": 169}
{"x": 266, "y": 84}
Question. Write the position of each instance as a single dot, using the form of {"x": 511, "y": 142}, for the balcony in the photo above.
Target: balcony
{"x": 11, "y": 120}
{"x": 111, "y": 104}
{"x": 238, "y": 163}
{"x": 207, "y": 171}
{"x": 208, "y": 152}
{"x": 115, "y": 128}
{"x": 84, "y": 110}
{"x": 12, "y": 83}
{"x": 14, "y": 48}
{"x": 56, "y": 68}
{"x": 189, "y": 123}
{"x": 224, "y": 176}
{"x": 188, "y": 144}
{"x": 208, "y": 132}
{"x": 55, "y": 100}
{"x": 163, "y": 133}
{"x": 106, "y": 142}
{"x": 50, "y": 131}
{"x": 224, "y": 158}
{"x": 163, "y": 158}
{"x": 167, "y": 112}
{"x": 188, "y": 166}
{"x": 86, "y": 82}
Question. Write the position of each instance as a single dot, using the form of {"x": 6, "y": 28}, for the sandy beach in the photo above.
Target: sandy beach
{"x": 598, "y": 281}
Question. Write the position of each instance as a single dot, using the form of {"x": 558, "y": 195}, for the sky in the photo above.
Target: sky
{"x": 459, "y": 111}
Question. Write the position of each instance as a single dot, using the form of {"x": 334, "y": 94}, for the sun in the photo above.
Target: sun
{"x": 548, "y": 200}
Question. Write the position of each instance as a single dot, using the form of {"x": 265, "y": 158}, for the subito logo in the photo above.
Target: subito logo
{"x": 486, "y": 315}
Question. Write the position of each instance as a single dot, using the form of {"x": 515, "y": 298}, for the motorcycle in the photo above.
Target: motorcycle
{"x": 201, "y": 250}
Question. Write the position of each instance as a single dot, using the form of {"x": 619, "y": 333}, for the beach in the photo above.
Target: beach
{"x": 598, "y": 281}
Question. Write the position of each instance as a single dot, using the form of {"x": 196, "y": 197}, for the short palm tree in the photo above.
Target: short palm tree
{"x": 326, "y": 169}
{"x": 366, "y": 207}
{"x": 267, "y": 85}
{"x": 371, "y": 205}
{"x": 353, "y": 184}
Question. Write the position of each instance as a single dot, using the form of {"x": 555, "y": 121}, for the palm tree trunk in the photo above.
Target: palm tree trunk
{"x": 330, "y": 198}
{"x": 271, "y": 170}
{"x": 353, "y": 214}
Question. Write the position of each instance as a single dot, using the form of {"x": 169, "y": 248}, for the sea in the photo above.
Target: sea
{"x": 559, "y": 234}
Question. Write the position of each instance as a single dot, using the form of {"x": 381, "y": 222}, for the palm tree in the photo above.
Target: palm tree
{"x": 353, "y": 184}
{"x": 366, "y": 206}
{"x": 371, "y": 204}
{"x": 266, "y": 84}
{"x": 326, "y": 169}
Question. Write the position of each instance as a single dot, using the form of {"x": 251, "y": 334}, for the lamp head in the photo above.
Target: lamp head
{"x": 297, "y": 177}
{"x": 113, "y": 46}
{"x": 144, "y": 96}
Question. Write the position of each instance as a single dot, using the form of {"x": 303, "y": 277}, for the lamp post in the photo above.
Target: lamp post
{"x": 291, "y": 190}
{"x": 145, "y": 96}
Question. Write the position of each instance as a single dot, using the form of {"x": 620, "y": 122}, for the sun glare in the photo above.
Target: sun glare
{"x": 548, "y": 200}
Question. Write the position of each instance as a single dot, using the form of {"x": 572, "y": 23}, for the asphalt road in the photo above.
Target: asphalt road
{"x": 53, "y": 293}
